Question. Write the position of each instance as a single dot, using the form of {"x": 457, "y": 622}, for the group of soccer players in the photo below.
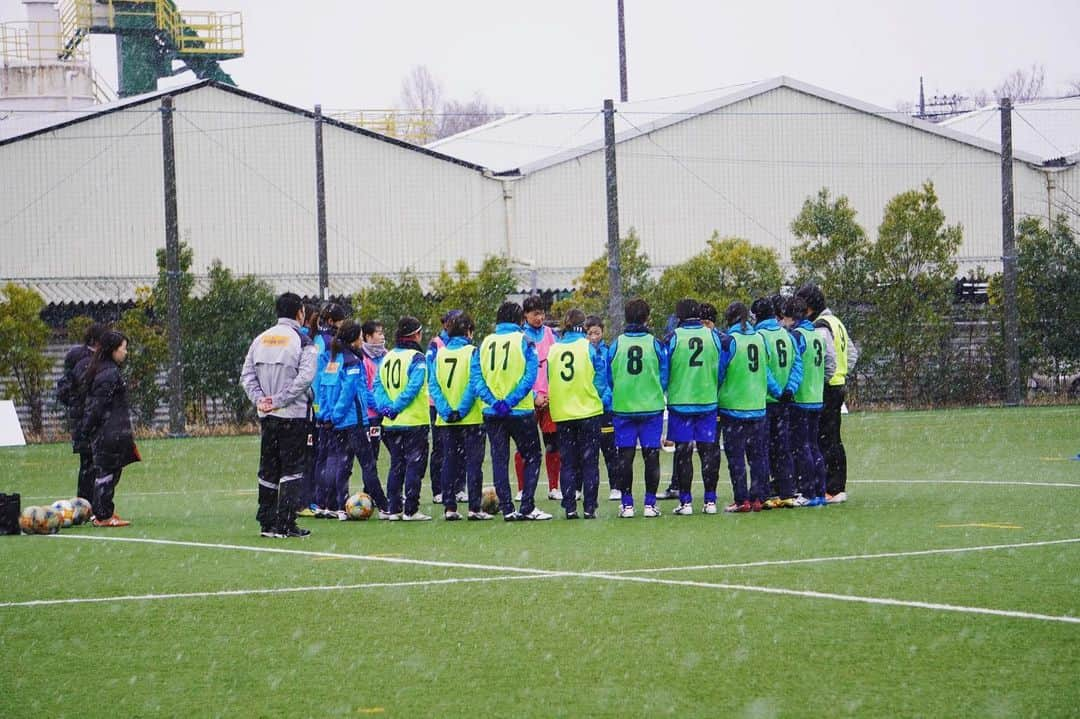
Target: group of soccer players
{"x": 752, "y": 386}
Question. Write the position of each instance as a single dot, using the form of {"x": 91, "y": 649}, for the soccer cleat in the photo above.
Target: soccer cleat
{"x": 436, "y": 498}
{"x": 394, "y": 516}
{"x": 817, "y": 502}
{"x": 306, "y": 512}
{"x": 589, "y": 515}
{"x": 838, "y": 498}
{"x": 383, "y": 514}
{"x": 342, "y": 515}
{"x": 416, "y": 517}
{"x": 322, "y": 513}
{"x": 451, "y": 516}
{"x": 294, "y": 531}
{"x": 756, "y": 506}
{"x": 514, "y": 516}
{"x": 537, "y": 515}
{"x": 709, "y": 508}
{"x": 271, "y": 533}
{"x": 479, "y": 516}
{"x": 651, "y": 511}
{"x": 627, "y": 512}
{"x": 615, "y": 495}
{"x": 113, "y": 521}
{"x": 800, "y": 501}
{"x": 777, "y": 503}
{"x": 462, "y": 496}
{"x": 684, "y": 509}
{"x": 573, "y": 515}
{"x": 669, "y": 493}
{"x": 555, "y": 494}
{"x": 517, "y": 497}
{"x": 734, "y": 507}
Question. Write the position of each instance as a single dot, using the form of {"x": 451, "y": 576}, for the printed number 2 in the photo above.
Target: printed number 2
{"x": 697, "y": 345}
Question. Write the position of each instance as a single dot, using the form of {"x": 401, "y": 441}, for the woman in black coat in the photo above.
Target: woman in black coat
{"x": 107, "y": 425}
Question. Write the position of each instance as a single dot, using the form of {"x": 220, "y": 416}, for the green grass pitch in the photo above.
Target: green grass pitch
{"x": 559, "y": 618}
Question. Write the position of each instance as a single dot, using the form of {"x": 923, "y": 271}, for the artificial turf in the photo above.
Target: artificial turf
{"x": 688, "y": 642}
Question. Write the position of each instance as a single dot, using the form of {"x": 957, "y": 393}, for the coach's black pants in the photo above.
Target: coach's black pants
{"x": 104, "y": 489}
{"x": 829, "y": 440}
{"x": 87, "y": 475}
{"x": 282, "y": 459}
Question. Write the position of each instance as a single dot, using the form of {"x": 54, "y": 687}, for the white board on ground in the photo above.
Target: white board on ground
{"x": 11, "y": 434}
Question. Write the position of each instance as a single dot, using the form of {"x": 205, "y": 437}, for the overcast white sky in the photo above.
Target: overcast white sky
{"x": 554, "y": 54}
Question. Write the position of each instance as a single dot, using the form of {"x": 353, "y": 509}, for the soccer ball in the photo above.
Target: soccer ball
{"x": 82, "y": 511}
{"x": 29, "y": 519}
{"x": 359, "y": 506}
{"x": 489, "y": 501}
{"x": 66, "y": 511}
{"x": 51, "y": 522}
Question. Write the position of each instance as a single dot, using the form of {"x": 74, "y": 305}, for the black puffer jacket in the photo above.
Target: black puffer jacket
{"x": 71, "y": 392}
{"x": 106, "y": 422}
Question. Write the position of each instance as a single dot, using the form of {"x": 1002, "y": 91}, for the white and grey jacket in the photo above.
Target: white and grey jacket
{"x": 280, "y": 364}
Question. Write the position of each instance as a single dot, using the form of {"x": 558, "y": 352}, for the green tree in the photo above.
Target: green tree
{"x": 834, "y": 252}
{"x": 478, "y": 294}
{"x": 390, "y": 298}
{"x": 727, "y": 270}
{"x": 913, "y": 269}
{"x": 216, "y": 335}
{"x": 76, "y": 328}
{"x": 592, "y": 288}
{"x": 148, "y": 352}
{"x": 23, "y": 338}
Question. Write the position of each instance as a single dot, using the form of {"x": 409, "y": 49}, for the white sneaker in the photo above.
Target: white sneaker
{"x": 479, "y": 516}
{"x": 517, "y": 497}
{"x": 685, "y": 509}
{"x": 385, "y": 515}
{"x": 416, "y": 517}
{"x": 537, "y": 515}
{"x": 709, "y": 508}
{"x": 462, "y": 497}
{"x": 394, "y": 516}
{"x": 615, "y": 495}
{"x": 555, "y": 494}
{"x": 627, "y": 512}
{"x": 838, "y": 498}
{"x": 341, "y": 515}
{"x": 437, "y": 498}
{"x": 801, "y": 501}
{"x": 651, "y": 511}
{"x": 451, "y": 516}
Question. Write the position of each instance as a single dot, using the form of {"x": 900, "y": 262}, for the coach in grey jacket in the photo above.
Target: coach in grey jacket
{"x": 277, "y": 375}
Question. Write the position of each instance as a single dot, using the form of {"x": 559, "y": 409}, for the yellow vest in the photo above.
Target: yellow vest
{"x": 394, "y": 374}
{"x": 502, "y": 365}
{"x": 840, "y": 343}
{"x": 452, "y": 371}
{"x": 571, "y": 392}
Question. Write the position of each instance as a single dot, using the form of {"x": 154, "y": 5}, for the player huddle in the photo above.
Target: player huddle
{"x": 753, "y": 386}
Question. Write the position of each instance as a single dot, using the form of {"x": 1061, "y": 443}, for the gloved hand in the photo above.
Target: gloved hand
{"x": 787, "y": 396}
{"x": 501, "y": 408}
{"x": 388, "y": 412}
{"x": 454, "y": 417}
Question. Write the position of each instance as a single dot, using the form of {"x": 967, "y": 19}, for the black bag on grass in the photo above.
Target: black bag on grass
{"x": 9, "y": 513}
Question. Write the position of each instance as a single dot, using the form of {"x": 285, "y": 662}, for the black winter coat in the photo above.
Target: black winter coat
{"x": 106, "y": 422}
{"x": 71, "y": 392}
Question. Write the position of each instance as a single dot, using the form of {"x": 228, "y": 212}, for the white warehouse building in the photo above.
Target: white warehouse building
{"x": 81, "y": 192}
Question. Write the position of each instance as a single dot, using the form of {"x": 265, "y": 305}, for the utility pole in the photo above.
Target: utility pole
{"x": 623, "y": 95}
{"x": 1008, "y": 261}
{"x": 320, "y": 206}
{"x": 615, "y": 300}
{"x": 172, "y": 270}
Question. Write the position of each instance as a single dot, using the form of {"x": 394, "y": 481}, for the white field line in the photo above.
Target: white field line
{"x": 1007, "y": 483}
{"x": 275, "y": 590}
{"x": 848, "y": 557}
{"x": 537, "y": 573}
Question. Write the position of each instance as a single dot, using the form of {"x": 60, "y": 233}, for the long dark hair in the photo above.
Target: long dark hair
{"x": 347, "y": 333}
{"x": 737, "y": 312}
{"x": 108, "y": 344}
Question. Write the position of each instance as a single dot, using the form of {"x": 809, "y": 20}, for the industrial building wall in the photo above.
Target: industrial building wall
{"x": 745, "y": 171}
{"x": 391, "y": 209}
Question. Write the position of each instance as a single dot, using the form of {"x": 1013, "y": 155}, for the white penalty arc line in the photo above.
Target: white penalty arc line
{"x": 272, "y": 590}
{"x": 537, "y": 573}
{"x": 1004, "y": 483}
{"x": 848, "y": 557}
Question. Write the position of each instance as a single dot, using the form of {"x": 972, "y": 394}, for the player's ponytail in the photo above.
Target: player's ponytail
{"x": 347, "y": 333}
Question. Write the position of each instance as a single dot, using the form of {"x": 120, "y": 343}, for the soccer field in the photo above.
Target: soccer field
{"x": 949, "y": 585}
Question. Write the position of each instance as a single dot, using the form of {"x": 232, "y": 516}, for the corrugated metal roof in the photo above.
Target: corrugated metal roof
{"x": 1048, "y": 129}
{"x": 530, "y": 142}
